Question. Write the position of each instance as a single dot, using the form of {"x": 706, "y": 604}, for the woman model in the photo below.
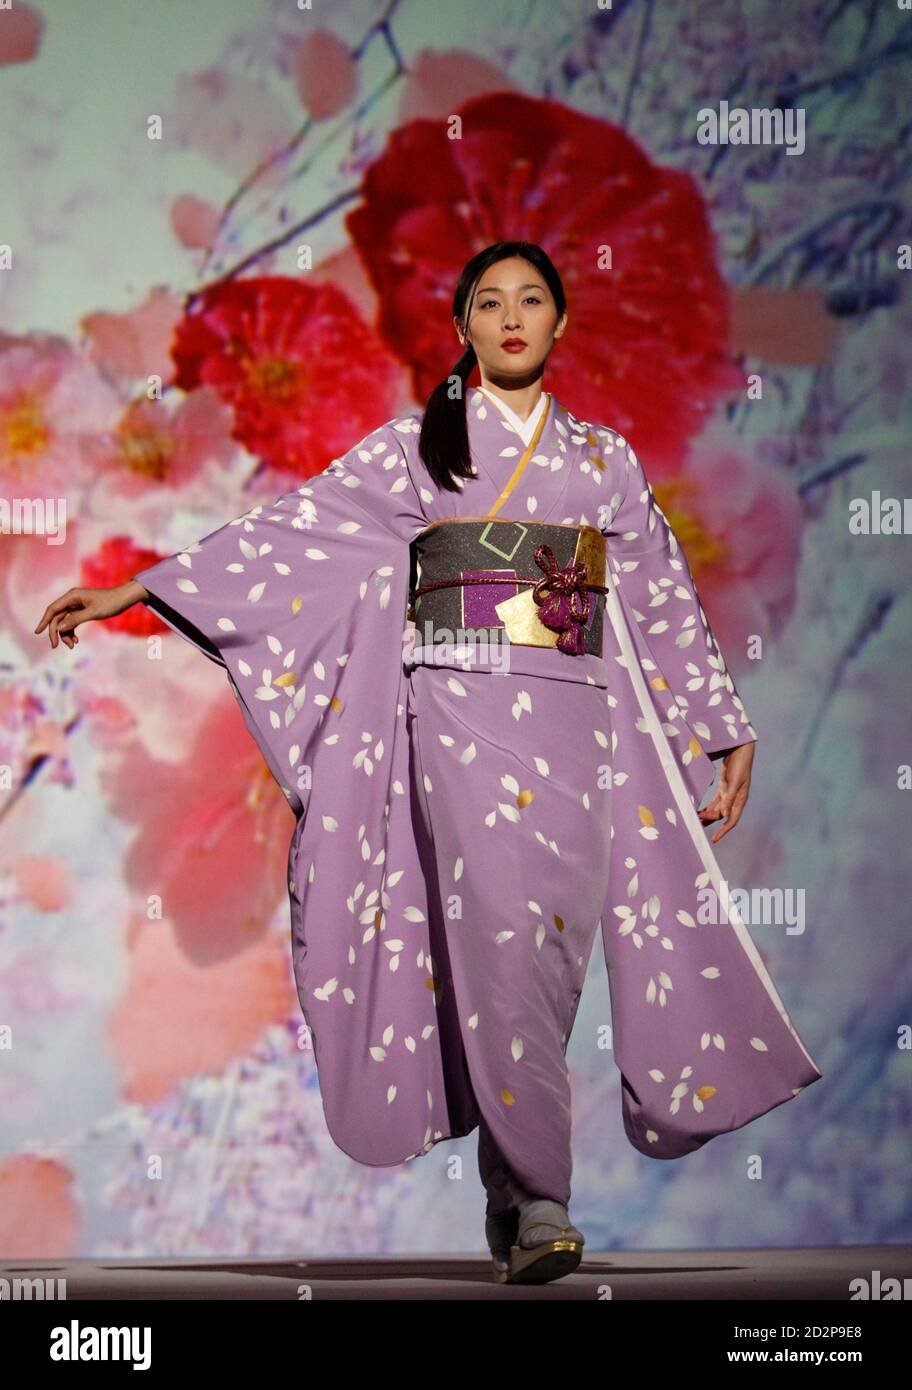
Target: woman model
{"x": 489, "y": 754}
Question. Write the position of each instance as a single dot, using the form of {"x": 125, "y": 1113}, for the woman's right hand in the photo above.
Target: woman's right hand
{"x": 82, "y": 605}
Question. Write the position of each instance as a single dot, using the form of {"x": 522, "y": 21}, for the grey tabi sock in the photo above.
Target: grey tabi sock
{"x": 543, "y": 1209}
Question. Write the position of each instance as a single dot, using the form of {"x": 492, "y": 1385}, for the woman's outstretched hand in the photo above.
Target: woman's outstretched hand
{"x": 83, "y": 605}
{"x": 731, "y": 793}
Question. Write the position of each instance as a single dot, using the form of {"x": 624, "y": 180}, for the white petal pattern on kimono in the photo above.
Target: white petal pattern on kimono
{"x": 652, "y": 570}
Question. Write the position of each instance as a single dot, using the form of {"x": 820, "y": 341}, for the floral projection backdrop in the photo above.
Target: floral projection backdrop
{"x": 230, "y": 234}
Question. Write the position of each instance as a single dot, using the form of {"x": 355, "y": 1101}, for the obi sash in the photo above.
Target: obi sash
{"x": 539, "y": 584}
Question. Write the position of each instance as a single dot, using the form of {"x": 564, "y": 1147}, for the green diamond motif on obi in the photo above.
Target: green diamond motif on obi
{"x": 489, "y": 545}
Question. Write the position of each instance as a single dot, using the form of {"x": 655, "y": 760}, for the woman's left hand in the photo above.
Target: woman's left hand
{"x": 731, "y": 794}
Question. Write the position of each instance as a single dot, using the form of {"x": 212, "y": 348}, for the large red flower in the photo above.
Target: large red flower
{"x": 115, "y": 560}
{"x": 646, "y": 347}
{"x": 302, "y": 371}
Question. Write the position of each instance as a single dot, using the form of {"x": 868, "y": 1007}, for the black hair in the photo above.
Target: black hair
{"x": 444, "y": 440}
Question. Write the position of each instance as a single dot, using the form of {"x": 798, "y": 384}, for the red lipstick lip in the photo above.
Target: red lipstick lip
{"x": 514, "y": 342}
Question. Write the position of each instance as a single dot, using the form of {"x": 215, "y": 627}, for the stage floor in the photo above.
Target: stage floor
{"x": 768, "y": 1274}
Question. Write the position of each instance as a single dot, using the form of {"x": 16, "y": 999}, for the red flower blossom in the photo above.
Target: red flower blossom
{"x": 302, "y": 371}
{"x": 113, "y": 563}
{"x": 646, "y": 344}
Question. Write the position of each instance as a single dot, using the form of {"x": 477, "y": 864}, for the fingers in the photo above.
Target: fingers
{"x": 59, "y": 619}
{"x": 727, "y": 804}
{"x": 731, "y": 821}
{"x": 59, "y": 605}
{"x": 67, "y": 635}
{"x": 733, "y": 805}
{"x": 61, "y": 629}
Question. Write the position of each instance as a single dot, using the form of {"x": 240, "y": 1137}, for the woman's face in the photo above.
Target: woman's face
{"x": 512, "y": 301}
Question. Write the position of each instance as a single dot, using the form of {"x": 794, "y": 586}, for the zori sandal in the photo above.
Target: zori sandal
{"x": 501, "y": 1232}
{"x": 538, "y": 1256}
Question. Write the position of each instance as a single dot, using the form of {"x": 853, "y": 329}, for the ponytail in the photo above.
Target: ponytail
{"x": 444, "y": 440}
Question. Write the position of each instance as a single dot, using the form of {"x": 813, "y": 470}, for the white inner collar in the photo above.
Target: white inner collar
{"x": 524, "y": 428}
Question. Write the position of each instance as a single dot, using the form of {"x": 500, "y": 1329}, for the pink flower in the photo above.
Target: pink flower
{"x": 326, "y": 74}
{"x": 53, "y": 408}
{"x": 437, "y": 84}
{"x": 194, "y": 222}
{"x": 136, "y": 344}
{"x": 21, "y": 31}
{"x": 40, "y": 1215}
{"x": 212, "y": 832}
{"x": 33, "y": 572}
{"x": 178, "y": 1017}
{"x": 739, "y": 522}
{"x": 156, "y": 446}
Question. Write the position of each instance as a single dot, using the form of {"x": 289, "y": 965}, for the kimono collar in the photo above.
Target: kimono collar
{"x": 529, "y": 479}
{"x": 524, "y": 428}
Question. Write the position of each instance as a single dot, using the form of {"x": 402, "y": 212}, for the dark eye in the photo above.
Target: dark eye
{"x": 485, "y": 302}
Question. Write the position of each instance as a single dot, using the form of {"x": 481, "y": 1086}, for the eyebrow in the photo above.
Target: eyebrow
{"x": 498, "y": 290}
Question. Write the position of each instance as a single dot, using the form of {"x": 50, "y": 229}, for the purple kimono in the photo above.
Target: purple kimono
{"x": 462, "y": 830}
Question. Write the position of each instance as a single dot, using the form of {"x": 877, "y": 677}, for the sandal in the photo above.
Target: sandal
{"x": 550, "y": 1258}
{"x": 501, "y": 1233}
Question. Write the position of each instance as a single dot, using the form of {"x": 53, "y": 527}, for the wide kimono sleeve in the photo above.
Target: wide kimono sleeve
{"x": 701, "y": 1037}
{"x": 304, "y": 603}
{"x": 277, "y": 595}
{"x": 654, "y": 578}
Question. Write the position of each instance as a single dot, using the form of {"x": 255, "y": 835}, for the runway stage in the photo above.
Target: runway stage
{"x": 829, "y": 1274}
